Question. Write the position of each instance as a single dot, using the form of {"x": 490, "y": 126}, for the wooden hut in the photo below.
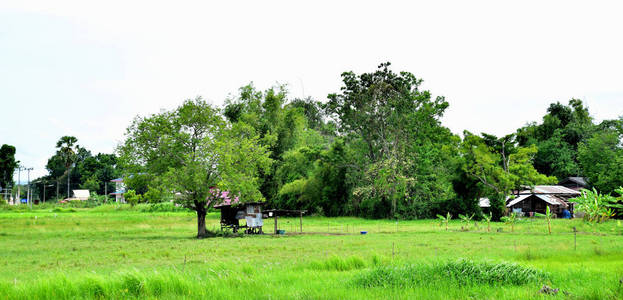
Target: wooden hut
{"x": 537, "y": 199}
{"x": 251, "y": 212}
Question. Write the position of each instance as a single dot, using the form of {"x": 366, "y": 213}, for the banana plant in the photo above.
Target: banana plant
{"x": 548, "y": 216}
{"x": 466, "y": 219}
{"x": 487, "y": 219}
{"x": 445, "y": 220}
{"x": 597, "y": 207}
{"x": 511, "y": 220}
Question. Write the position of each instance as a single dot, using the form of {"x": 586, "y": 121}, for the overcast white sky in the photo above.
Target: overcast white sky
{"x": 86, "y": 68}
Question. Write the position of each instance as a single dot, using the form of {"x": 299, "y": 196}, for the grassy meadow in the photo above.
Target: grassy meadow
{"x": 119, "y": 252}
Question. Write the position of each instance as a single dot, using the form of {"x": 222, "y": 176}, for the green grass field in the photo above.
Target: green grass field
{"x": 110, "y": 253}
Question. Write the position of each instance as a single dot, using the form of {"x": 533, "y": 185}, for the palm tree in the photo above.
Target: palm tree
{"x": 67, "y": 149}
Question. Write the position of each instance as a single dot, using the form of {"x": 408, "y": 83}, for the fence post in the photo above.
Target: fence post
{"x": 575, "y": 239}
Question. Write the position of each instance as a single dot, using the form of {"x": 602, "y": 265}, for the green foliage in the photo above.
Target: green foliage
{"x": 444, "y": 220}
{"x": 336, "y": 263}
{"x": 466, "y": 220}
{"x": 453, "y": 273}
{"x": 155, "y": 195}
{"x": 548, "y": 216}
{"x": 155, "y": 246}
{"x": 193, "y": 151}
{"x": 511, "y": 220}
{"x": 132, "y": 198}
{"x": 91, "y": 184}
{"x": 8, "y": 164}
{"x": 601, "y": 157}
{"x": 487, "y": 218}
{"x": 401, "y": 165}
{"x": 161, "y": 207}
{"x": 597, "y": 207}
{"x": 497, "y": 201}
{"x": 499, "y": 165}
{"x": 98, "y": 198}
{"x": 139, "y": 182}
{"x": 86, "y": 171}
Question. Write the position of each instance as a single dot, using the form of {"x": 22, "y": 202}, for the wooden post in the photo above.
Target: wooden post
{"x": 301, "y": 220}
{"x": 575, "y": 239}
{"x": 275, "y": 221}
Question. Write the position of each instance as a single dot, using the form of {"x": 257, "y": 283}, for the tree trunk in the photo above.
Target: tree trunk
{"x": 201, "y": 222}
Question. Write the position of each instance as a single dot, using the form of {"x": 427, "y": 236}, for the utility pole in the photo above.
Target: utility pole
{"x": 19, "y": 178}
{"x": 69, "y": 176}
{"x": 29, "y": 197}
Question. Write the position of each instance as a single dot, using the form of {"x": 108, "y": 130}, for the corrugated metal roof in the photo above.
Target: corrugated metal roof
{"x": 517, "y": 200}
{"x": 551, "y": 189}
{"x": 551, "y": 199}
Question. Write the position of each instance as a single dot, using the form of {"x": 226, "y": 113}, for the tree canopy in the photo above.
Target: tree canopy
{"x": 376, "y": 148}
{"x": 192, "y": 151}
{"x": 8, "y": 164}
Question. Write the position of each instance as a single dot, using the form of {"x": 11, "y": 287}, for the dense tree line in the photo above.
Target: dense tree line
{"x": 375, "y": 149}
{"x": 75, "y": 167}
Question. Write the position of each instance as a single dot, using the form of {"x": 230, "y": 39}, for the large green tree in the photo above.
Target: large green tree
{"x": 67, "y": 149}
{"x": 601, "y": 158}
{"x": 195, "y": 152}
{"x": 8, "y": 164}
{"x": 500, "y": 166}
{"x": 557, "y": 138}
{"x": 394, "y": 129}
{"x": 284, "y": 126}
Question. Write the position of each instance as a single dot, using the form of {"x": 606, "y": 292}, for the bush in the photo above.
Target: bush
{"x": 153, "y": 196}
{"x": 132, "y": 198}
{"x": 98, "y": 198}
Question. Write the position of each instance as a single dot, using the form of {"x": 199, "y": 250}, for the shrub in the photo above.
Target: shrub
{"x": 132, "y": 198}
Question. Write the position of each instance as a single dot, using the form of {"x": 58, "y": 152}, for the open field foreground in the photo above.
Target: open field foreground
{"x": 109, "y": 253}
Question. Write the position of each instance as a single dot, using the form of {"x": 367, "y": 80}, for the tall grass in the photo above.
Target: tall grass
{"x": 456, "y": 273}
{"x": 120, "y": 286}
{"x": 336, "y": 263}
{"x": 119, "y": 252}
